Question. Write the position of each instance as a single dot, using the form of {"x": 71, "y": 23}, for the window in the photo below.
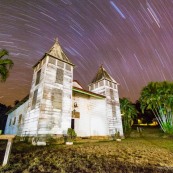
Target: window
{"x": 112, "y": 94}
{"x": 52, "y": 60}
{"x": 38, "y": 77}
{"x": 14, "y": 121}
{"x": 115, "y": 86}
{"x": 59, "y": 76}
{"x": 60, "y": 64}
{"x": 107, "y": 83}
{"x": 34, "y": 100}
{"x": 20, "y": 119}
{"x": 10, "y": 123}
{"x": 57, "y": 98}
{"x": 101, "y": 83}
{"x": 111, "y": 85}
{"x": 68, "y": 67}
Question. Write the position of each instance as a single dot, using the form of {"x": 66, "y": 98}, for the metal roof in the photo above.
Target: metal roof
{"x": 102, "y": 74}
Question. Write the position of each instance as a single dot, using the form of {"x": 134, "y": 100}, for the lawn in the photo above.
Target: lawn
{"x": 149, "y": 153}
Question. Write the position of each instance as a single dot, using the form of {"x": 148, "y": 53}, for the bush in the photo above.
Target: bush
{"x": 71, "y": 134}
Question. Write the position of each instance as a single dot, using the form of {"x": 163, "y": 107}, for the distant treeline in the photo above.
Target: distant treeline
{"x": 3, "y": 116}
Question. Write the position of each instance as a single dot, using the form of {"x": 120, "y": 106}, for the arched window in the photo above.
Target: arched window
{"x": 14, "y": 121}
{"x": 10, "y": 123}
{"x": 20, "y": 119}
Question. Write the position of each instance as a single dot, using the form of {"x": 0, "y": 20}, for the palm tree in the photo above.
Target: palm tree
{"x": 128, "y": 111}
{"x": 5, "y": 65}
{"x": 158, "y": 97}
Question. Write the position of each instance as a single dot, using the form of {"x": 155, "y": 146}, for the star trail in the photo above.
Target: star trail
{"x": 132, "y": 39}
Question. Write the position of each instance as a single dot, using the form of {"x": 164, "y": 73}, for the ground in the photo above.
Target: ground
{"x": 151, "y": 152}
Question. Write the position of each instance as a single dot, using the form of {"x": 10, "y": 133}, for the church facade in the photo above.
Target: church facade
{"x": 56, "y": 102}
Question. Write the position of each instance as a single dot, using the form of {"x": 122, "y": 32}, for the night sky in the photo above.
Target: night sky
{"x": 133, "y": 39}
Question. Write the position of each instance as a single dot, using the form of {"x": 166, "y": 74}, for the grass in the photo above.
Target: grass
{"x": 149, "y": 153}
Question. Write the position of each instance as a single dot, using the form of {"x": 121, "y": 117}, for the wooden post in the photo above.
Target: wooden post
{"x": 8, "y": 147}
{"x": 7, "y": 152}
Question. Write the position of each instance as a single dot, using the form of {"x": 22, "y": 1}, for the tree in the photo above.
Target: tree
{"x": 158, "y": 97}
{"x": 5, "y": 65}
{"x": 3, "y": 116}
{"x": 128, "y": 111}
{"x": 146, "y": 116}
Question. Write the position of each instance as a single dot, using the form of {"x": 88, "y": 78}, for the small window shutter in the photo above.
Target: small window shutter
{"x": 38, "y": 77}
{"x": 34, "y": 100}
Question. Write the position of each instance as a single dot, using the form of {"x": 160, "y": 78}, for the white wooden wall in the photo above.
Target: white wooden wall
{"x": 30, "y": 127}
{"x": 110, "y": 90}
{"x": 16, "y": 128}
{"x": 93, "y": 120}
{"x": 45, "y": 118}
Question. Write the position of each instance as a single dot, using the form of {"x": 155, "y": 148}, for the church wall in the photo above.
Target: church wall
{"x": 82, "y": 124}
{"x": 113, "y": 111}
{"x": 92, "y": 121}
{"x": 15, "y": 119}
{"x": 51, "y": 113}
{"x": 118, "y": 124}
{"x": 55, "y": 109}
{"x": 110, "y": 90}
{"x": 30, "y": 127}
{"x": 99, "y": 123}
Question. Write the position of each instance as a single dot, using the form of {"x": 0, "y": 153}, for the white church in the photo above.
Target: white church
{"x": 56, "y": 102}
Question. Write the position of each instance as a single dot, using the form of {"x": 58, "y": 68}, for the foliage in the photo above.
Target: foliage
{"x": 117, "y": 135}
{"x": 71, "y": 134}
{"x": 3, "y": 116}
{"x": 158, "y": 96}
{"x": 128, "y": 112}
{"x": 50, "y": 139}
{"x": 5, "y": 65}
{"x": 145, "y": 116}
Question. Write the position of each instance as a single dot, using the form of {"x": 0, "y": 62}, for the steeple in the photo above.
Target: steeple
{"x": 51, "y": 89}
{"x": 101, "y": 75}
{"x": 57, "y": 52}
{"x": 104, "y": 84}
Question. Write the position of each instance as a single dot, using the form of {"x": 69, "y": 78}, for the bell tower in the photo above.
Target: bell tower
{"x": 50, "y": 99}
{"x": 105, "y": 85}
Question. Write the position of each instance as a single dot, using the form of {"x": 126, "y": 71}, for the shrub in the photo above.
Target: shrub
{"x": 71, "y": 134}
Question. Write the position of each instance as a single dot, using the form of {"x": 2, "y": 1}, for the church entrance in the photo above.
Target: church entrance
{"x": 72, "y": 123}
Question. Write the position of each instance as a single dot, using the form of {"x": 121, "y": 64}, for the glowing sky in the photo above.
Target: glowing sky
{"x": 133, "y": 39}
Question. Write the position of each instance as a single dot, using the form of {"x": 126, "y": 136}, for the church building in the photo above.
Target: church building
{"x": 56, "y": 102}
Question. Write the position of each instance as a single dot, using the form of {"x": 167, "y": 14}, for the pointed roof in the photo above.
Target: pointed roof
{"x": 57, "y": 52}
{"x": 101, "y": 75}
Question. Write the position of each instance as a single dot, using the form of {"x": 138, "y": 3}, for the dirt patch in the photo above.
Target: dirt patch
{"x": 3, "y": 144}
{"x": 130, "y": 155}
